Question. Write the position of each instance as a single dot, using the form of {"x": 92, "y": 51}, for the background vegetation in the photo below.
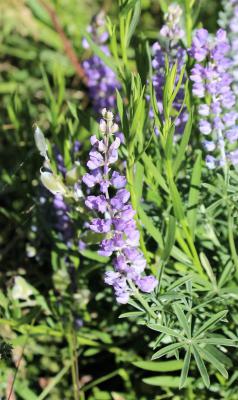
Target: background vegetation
{"x": 54, "y": 306}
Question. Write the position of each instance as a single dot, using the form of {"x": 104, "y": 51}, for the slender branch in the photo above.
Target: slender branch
{"x": 17, "y": 368}
{"x": 69, "y": 50}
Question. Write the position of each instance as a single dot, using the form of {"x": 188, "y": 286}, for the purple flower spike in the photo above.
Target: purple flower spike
{"x": 212, "y": 84}
{"x": 122, "y": 236}
{"x": 102, "y": 82}
{"x": 169, "y": 48}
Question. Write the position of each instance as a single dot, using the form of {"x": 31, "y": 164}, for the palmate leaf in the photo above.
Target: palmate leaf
{"x": 219, "y": 341}
{"x": 164, "y": 329}
{"x": 210, "y": 323}
{"x": 161, "y": 366}
{"x": 201, "y": 366}
{"x": 182, "y": 319}
{"x": 171, "y": 348}
{"x": 214, "y": 361}
{"x": 185, "y": 369}
{"x": 164, "y": 381}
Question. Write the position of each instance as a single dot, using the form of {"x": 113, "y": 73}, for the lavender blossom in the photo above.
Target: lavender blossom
{"x": 115, "y": 215}
{"x": 102, "y": 81}
{"x": 228, "y": 21}
{"x": 212, "y": 86}
{"x": 168, "y": 46}
{"x": 63, "y": 222}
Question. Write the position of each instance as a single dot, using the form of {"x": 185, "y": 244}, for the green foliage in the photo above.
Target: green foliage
{"x": 61, "y": 335}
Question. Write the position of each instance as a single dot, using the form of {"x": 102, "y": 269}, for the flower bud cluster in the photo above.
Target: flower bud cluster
{"x": 115, "y": 214}
{"x": 212, "y": 85}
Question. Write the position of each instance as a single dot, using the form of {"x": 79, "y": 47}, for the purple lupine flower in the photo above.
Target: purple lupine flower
{"x": 228, "y": 21}
{"x": 102, "y": 82}
{"x": 116, "y": 219}
{"x": 212, "y": 85}
{"x": 63, "y": 222}
{"x": 169, "y": 47}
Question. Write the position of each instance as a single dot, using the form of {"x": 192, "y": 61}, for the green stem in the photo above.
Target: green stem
{"x": 74, "y": 367}
{"x": 143, "y": 302}
{"x": 231, "y": 238}
{"x": 188, "y": 22}
{"x": 100, "y": 380}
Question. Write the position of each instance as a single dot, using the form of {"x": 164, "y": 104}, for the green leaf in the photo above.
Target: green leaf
{"x": 164, "y": 329}
{"x": 207, "y": 266}
{"x": 184, "y": 372}
{"x": 210, "y": 322}
{"x": 201, "y": 366}
{"x": 226, "y": 274}
{"x": 139, "y": 174}
{"x": 218, "y": 341}
{"x": 193, "y": 198}
{"x": 171, "y": 348}
{"x": 183, "y": 144}
{"x": 23, "y": 391}
{"x": 170, "y": 238}
{"x": 161, "y": 366}
{"x": 181, "y": 257}
{"x": 132, "y": 314}
{"x": 182, "y": 319}
{"x": 123, "y": 115}
{"x": 135, "y": 20}
{"x": 153, "y": 170}
{"x": 92, "y": 255}
{"x": 177, "y": 201}
{"x": 214, "y": 361}
{"x": 149, "y": 226}
{"x": 164, "y": 381}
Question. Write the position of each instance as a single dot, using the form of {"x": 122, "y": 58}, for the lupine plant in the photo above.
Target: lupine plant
{"x": 126, "y": 243}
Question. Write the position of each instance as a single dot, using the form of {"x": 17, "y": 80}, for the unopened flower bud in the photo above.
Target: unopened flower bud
{"x": 114, "y": 128}
{"x": 103, "y": 126}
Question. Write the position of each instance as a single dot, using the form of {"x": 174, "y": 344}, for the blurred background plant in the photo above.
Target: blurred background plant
{"x": 58, "y": 320}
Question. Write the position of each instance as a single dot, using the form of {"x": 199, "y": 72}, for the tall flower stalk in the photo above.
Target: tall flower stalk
{"x": 228, "y": 21}
{"x": 101, "y": 80}
{"x": 212, "y": 85}
{"x": 116, "y": 215}
{"x": 168, "y": 49}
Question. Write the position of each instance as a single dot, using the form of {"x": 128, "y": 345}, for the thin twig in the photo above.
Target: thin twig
{"x": 17, "y": 368}
{"x": 69, "y": 50}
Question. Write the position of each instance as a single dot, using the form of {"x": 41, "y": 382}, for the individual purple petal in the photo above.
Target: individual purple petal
{"x": 117, "y": 180}
{"x": 100, "y": 225}
{"x": 98, "y": 203}
{"x": 205, "y": 127}
{"x": 147, "y": 283}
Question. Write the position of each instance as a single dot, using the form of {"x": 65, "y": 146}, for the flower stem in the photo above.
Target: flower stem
{"x": 74, "y": 365}
{"x": 141, "y": 299}
{"x": 231, "y": 238}
{"x": 131, "y": 184}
